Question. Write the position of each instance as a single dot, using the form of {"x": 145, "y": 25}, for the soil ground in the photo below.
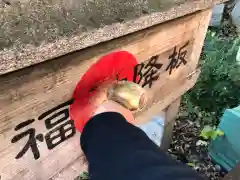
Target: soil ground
{"x": 184, "y": 149}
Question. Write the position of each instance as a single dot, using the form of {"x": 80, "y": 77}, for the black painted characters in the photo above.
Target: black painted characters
{"x": 56, "y": 120}
{"x": 148, "y": 73}
{"x": 32, "y": 139}
{"x": 53, "y": 118}
{"x": 177, "y": 58}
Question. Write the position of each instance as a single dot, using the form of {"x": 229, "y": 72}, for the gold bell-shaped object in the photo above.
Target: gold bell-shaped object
{"x": 128, "y": 94}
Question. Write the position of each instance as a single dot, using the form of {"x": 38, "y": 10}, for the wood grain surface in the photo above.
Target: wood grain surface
{"x": 28, "y": 93}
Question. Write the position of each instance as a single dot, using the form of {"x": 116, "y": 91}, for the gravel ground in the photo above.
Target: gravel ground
{"x": 184, "y": 149}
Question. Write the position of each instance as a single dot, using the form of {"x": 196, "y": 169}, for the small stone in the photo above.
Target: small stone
{"x": 187, "y": 146}
{"x": 218, "y": 168}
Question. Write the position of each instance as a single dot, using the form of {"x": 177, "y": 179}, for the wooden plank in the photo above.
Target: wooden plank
{"x": 26, "y": 94}
{"x": 72, "y": 171}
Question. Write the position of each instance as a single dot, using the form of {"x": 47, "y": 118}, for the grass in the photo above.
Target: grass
{"x": 218, "y": 86}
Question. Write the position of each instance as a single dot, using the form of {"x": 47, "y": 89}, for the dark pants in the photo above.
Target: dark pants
{"x": 117, "y": 150}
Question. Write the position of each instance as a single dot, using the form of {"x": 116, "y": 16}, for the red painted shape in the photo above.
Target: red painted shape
{"x": 107, "y": 68}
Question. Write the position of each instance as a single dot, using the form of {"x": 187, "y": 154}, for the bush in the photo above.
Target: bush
{"x": 218, "y": 86}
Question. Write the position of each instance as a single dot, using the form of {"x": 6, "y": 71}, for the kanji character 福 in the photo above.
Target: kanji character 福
{"x": 55, "y": 117}
{"x": 32, "y": 140}
{"x": 60, "y": 134}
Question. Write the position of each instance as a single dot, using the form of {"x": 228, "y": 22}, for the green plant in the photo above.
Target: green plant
{"x": 211, "y": 133}
{"x": 218, "y": 86}
{"x": 191, "y": 164}
{"x": 83, "y": 176}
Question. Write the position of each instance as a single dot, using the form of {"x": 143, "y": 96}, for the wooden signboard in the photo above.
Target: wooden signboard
{"x": 37, "y": 138}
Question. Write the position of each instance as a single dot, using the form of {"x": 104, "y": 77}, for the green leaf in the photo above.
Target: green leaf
{"x": 214, "y": 135}
{"x": 209, "y": 132}
{"x": 191, "y": 164}
{"x": 206, "y": 133}
{"x": 84, "y": 176}
{"x": 219, "y": 132}
{"x": 190, "y": 107}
